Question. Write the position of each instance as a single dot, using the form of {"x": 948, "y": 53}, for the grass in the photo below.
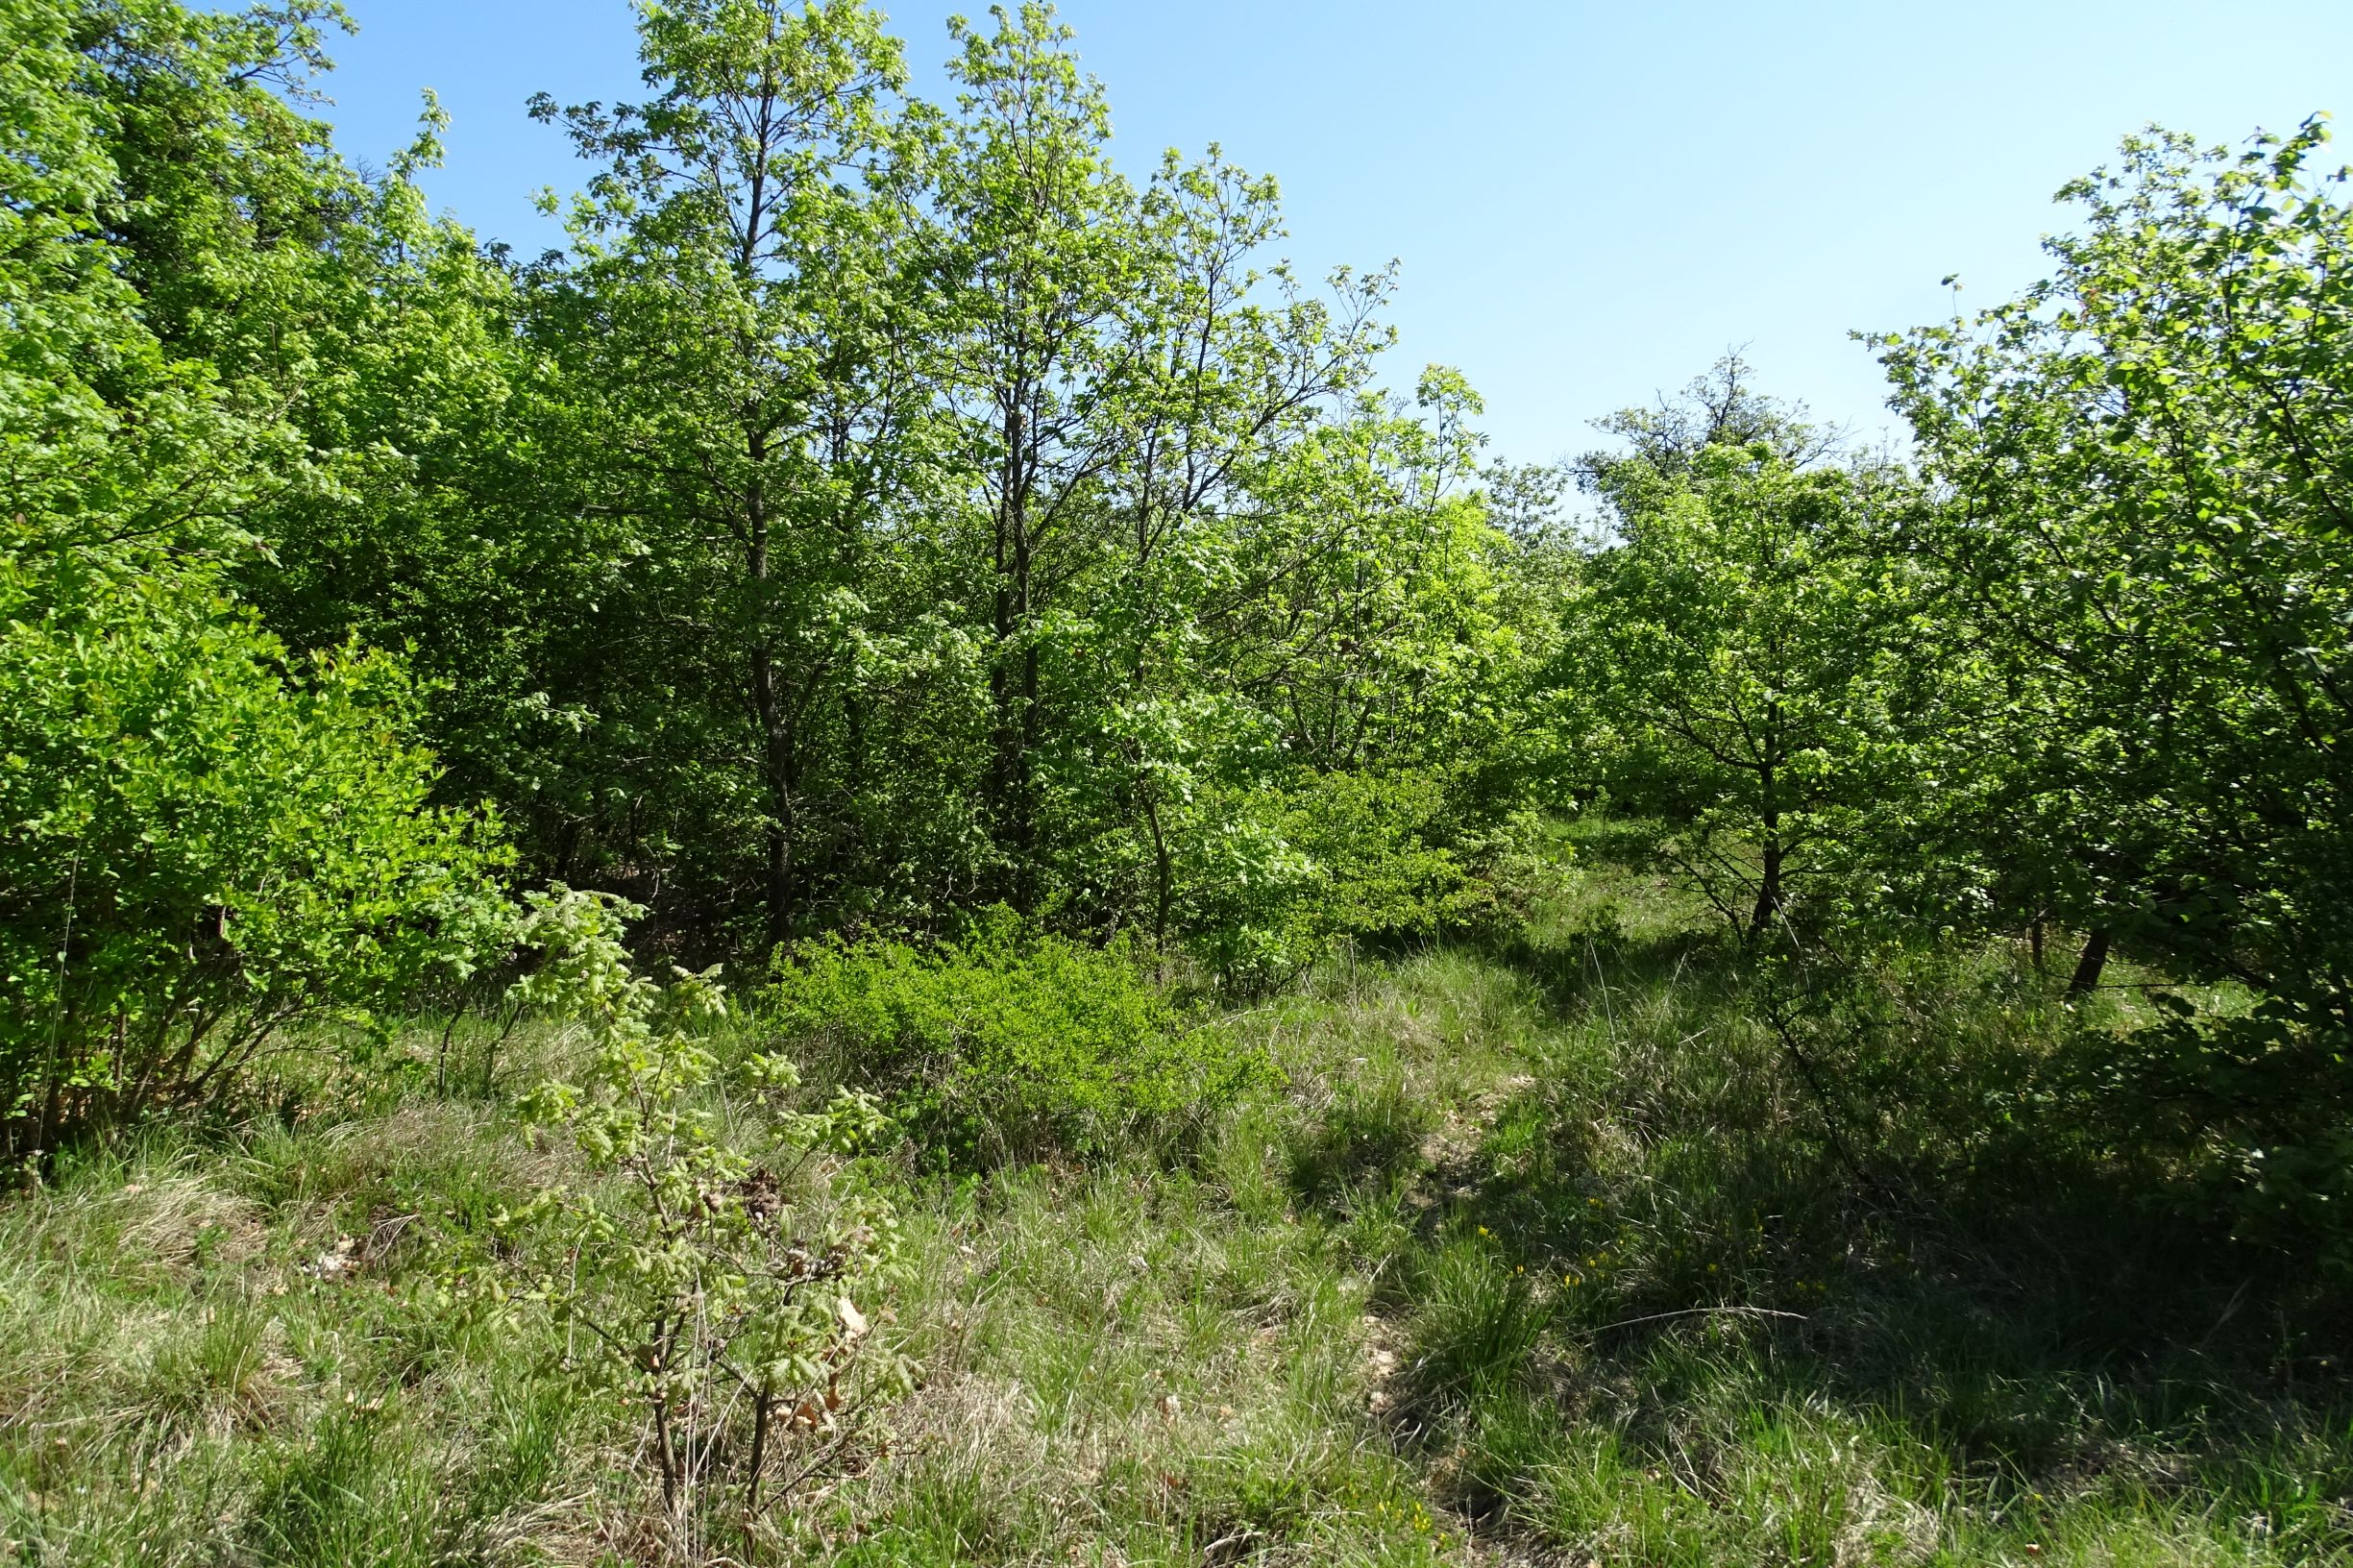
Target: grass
{"x": 1539, "y": 1254}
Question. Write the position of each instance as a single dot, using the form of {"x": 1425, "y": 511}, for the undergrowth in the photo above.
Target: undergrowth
{"x": 1540, "y": 1252}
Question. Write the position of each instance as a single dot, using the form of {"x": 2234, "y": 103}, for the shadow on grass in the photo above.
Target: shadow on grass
{"x": 1367, "y": 1143}
{"x": 1655, "y": 1240}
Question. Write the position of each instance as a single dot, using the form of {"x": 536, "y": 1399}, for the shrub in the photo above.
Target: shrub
{"x": 2250, "y": 1106}
{"x": 711, "y": 1291}
{"x": 199, "y": 844}
{"x": 1005, "y": 1045}
{"x": 1351, "y": 855}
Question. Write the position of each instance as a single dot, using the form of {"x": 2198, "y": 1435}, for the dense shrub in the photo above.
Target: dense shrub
{"x": 1343, "y": 856}
{"x": 2140, "y": 726}
{"x": 203, "y": 839}
{"x": 200, "y": 845}
{"x": 1007, "y": 1044}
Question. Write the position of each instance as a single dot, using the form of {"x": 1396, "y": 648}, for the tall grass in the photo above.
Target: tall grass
{"x": 1541, "y": 1253}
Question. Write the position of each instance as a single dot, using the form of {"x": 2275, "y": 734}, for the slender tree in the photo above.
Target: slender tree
{"x": 1733, "y": 646}
{"x": 740, "y": 319}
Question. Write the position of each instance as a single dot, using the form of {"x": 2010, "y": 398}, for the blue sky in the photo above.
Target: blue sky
{"x": 1590, "y": 201}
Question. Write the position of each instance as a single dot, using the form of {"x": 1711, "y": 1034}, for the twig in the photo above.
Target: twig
{"x": 1609, "y": 1011}
{"x": 57, "y": 1012}
{"x": 1833, "y": 1125}
{"x": 379, "y": 1241}
{"x": 441, "y": 1060}
{"x": 1700, "y": 1312}
{"x": 2229, "y": 1312}
{"x": 1833, "y": 1128}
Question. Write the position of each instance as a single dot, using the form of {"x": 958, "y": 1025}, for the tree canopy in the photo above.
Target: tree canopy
{"x": 884, "y": 510}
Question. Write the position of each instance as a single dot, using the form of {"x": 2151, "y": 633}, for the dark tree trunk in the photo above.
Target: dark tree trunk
{"x": 1768, "y": 891}
{"x": 1163, "y": 876}
{"x": 1025, "y": 821}
{"x": 1769, "y": 884}
{"x": 2087, "y": 967}
{"x": 763, "y": 1409}
{"x": 1014, "y": 692}
{"x": 781, "y": 769}
{"x": 779, "y": 764}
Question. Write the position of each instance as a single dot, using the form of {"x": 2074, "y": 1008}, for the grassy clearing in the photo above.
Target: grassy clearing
{"x": 1537, "y": 1256}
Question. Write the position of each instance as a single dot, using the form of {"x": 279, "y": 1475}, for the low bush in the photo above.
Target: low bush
{"x": 1007, "y": 1045}
{"x": 1382, "y": 858}
{"x": 717, "y": 1287}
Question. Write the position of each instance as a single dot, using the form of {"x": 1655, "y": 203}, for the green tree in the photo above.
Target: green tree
{"x": 1051, "y": 250}
{"x": 717, "y": 1284}
{"x": 1380, "y": 634}
{"x": 736, "y": 332}
{"x": 202, "y": 840}
{"x": 1178, "y": 496}
{"x": 203, "y": 844}
{"x": 2144, "y": 457}
{"x": 1731, "y": 650}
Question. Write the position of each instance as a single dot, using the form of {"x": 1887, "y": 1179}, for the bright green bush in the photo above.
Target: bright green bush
{"x": 200, "y": 845}
{"x": 1349, "y": 856}
{"x": 1006, "y": 1044}
{"x": 203, "y": 839}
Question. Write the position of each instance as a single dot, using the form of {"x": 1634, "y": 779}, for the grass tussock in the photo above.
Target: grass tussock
{"x": 1541, "y": 1253}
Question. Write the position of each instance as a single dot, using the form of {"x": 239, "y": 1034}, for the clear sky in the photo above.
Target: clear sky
{"x": 1590, "y": 201}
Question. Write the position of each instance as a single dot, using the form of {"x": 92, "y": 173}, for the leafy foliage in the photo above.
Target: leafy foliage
{"x": 707, "y": 1292}
{"x": 202, "y": 838}
{"x": 994, "y": 590}
{"x": 1733, "y": 654}
{"x": 202, "y": 847}
{"x": 2146, "y": 540}
{"x": 1024, "y": 527}
{"x": 1001, "y": 1047}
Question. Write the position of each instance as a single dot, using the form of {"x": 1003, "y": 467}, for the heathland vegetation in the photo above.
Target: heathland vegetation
{"x": 889, "y": 865}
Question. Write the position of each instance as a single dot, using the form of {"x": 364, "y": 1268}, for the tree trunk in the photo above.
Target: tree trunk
{"x": 1769, "y": 886}
{"x": 779, "y": 767}
{"x": 1768, "y": 891}
{"x": 665, "y": 1448}
{"x": 1164, "y": 878}
{"x": 1015, "y": 694}
{"x": 763, "y": 1409}
{"x": 2087, "y": 967}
